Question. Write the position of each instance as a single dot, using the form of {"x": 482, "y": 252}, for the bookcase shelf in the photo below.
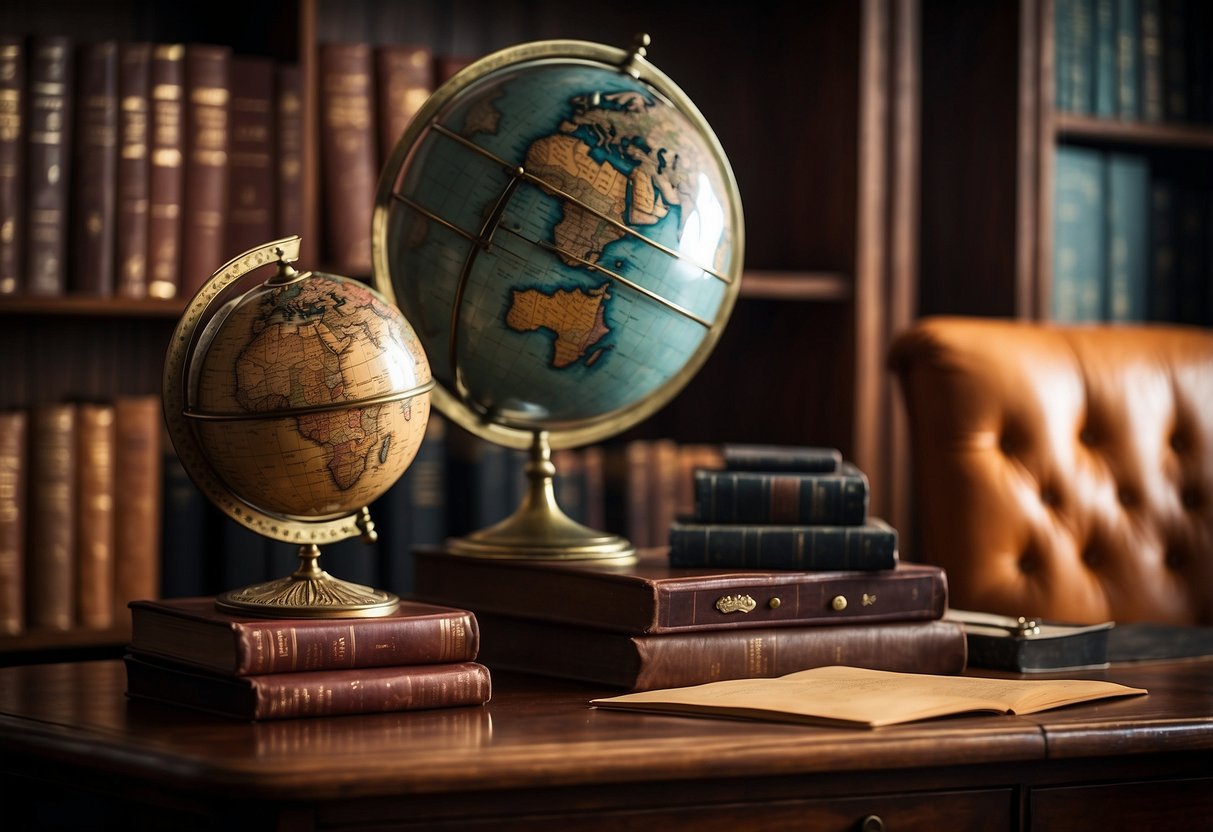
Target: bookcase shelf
{"x": 1073, "y": 126}
{"x": 92, "y": 307}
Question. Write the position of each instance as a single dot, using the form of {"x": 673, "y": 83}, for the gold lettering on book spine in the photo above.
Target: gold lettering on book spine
{"x": 735, "y": 603}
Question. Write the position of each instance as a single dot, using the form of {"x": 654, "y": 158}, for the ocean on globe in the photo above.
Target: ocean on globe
{"x": 576, "y": 232}
{"x": 294, "y": 393}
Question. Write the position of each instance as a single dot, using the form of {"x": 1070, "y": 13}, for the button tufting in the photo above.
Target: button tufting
{"x": 1049, "y": 496}
{"x": 1190, "y": 497}
{"x": 1179, "y": 442}
{"x": 1027, "y": 563}
{"x": 1127, "y": 496}
{"x": 1090, "y": 557}
{"x": 1086, "y": 436}
{"x": 1175, "y": 559}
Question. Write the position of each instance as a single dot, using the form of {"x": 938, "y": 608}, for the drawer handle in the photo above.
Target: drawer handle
{"x": 872, "y": 823}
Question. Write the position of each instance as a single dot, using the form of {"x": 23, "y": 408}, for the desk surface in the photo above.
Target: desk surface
{"x": 539, "y": 734}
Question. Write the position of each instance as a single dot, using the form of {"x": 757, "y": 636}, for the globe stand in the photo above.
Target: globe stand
{"x": 310, "y": 592}
{"x": 539, "y": 530}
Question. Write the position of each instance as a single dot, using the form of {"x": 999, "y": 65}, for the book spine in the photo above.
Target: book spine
{"x": 12, "y": 164}
{"x": 95, "y": 498}
{"x": 166, "y": 173}
{"x": 1128, "y": 204}
{"x": 250, "y": 198}
{"x": 288, "y": 137}
{"x": 183, "y": 535}
{"x": 131, "y": 249}
{"x": 14, "y": 470}
{"x": 207, "y": 137}
{"x": 404, "y": 76}
{"x": 1164, "y": 254}
{"x": 1128, "y": 59}
{"x": 1153, "y": 104}
{"x": 1175, "y": 60}
{"x": 50, "y": 575}
{"x": 1078, "y": 234}
{"x": 347, "y": 144}
{"x": 49, "y": 147}
{"x": 1105, "y": 58}
{"x": 94, "y": 170}
{"x": 137, "y": 433}
{"x": 662, "y": 488}
{"x": 801, "y": 459}
{"x": 782, "y": 499}
{"x": 1075, "y": 27}
{"x": 814, "y": 548}
{"x": 1192, "y": 246}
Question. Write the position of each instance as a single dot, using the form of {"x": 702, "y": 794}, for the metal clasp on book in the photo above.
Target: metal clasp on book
{"x": 735, "y": 603}
{"x": 1026, "y": 627}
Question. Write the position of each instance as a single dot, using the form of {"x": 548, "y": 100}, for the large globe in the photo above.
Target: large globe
{"x": 565, "y": 233}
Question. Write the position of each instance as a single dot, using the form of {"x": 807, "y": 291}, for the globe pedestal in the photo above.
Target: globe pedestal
{"x": 539, "y": 530}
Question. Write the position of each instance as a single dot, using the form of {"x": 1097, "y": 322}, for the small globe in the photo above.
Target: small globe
{"x": 562, "y": 227}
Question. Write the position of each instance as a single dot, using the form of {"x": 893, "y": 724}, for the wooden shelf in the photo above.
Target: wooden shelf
{"x": 93, "y": 307}
{"x": 48, "y": 643}
{"x": 791, "y": 285}
{"x": 1069, "y": 126}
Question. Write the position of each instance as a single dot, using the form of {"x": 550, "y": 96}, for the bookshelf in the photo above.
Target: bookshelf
{"x": 817, "y": 112}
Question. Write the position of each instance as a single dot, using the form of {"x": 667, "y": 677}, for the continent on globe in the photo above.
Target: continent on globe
{"x": 577, "y": 317}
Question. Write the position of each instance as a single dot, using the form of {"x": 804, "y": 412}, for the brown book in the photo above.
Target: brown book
{"x": 207, "y": 142}
{"x": 95, "y": 515}
{"x": 288, "y": 138}
{"x": 14, "y": 465}
{"x": 251, "y": 183}
{"x": 310, "y": 693}
{"x": 134, "y": 107}
{"x": 662, "y": 487}
{"x": 653, "y": 597}
{"x": 137, "y": 504}
{"x": 447, "y": 67}
{"x": 675, "y": 659}
{"x": 348, "y": 154}
{"x": 48, "y": 163}
{"x": 51, "y": 556}
{"x": 12, "y": 164}
{"x": 94, "y": 170}
{"x": 592, "y": 462}
{"x": 166, "y": 171}
{"x": 192, "y": 631}
{"x": 404, "y": 79}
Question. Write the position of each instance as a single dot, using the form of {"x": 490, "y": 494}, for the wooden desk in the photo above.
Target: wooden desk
{"x": 75, "y": 753}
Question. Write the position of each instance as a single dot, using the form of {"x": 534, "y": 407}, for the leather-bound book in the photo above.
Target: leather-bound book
{"x": 134, "y": 110}
{"x": 868, "y": 546}
{"x": 191, "y": 631}
{"x": 404, "y": 79}
{"x": 94, "y": 170}
{"x": 838, "y": 498}
{"x": 207, "y": 141}
{"x": 674, "y": 660}
{"x": 348, "y": 154}
{"x": 49, "y": 154}
{"x": 251, "y": 186}
{"x": 50, "y": 564}
{"x": 137, "y": 503}
{"x": 288, "y": 139}
{"x": 95, "y": 515}
{"x": 12, "y": 164}
{"x": 653, "y": 597}
{"x": 310, "y": 693}
{"x": 14, "y": 469}
{"x": 166, "y": 171}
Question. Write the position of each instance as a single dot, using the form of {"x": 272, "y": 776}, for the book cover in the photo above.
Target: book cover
{"x": 207, "y": 142}
{"x": 869, "y": 546}
{"x": 1128, "y": 59}
{"x": 1078, "y": 235}
{"x": 243, "y": 555}
{"x": 802, "y": 458}
{"x": 1024, "y": 645}
{"x": 166, "y": 171}
{"x": 1192, "y": 249}
{"x": 1175, "y": 60}
{"x": 48, "y": 159}
{"x": 1075, "y": 44}
{"x": 649, "y": 662}
{"x": 50, "y": 568}
{"x": 1105, "y": 45}
{"x": 137, "y": 506}
{"x": 413, "y": 511}
{"x": 94, "y": 170}
{"x": 14, "y": 470}
{"x": 251, "y": 174}
{"x": 95, "y": 498}
{"x": 652, "y": 596}
{"x": 1164, "y": 253}
{"x": 348, "y": 153}
{"x": 661, "y": 489}
{"x": 134, "y": 111}
{"x": 1128, "y": 212}
{"x": 310, "y": 693}
{"x": 755, "y": 497}
{"x": 404, "y": 79}
{"x": 12, "y": 164}
{"x": 186, "y": 550}
{"x": 192, "y": 631}
{"x": 1153, "y": 104}
{"x": 288, "y": 143}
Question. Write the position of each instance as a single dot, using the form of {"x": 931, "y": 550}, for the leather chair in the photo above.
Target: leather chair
{"x": 1064, "y": 472}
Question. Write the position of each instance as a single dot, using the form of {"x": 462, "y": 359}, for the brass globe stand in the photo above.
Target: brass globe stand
{"x": 539, "y": 530}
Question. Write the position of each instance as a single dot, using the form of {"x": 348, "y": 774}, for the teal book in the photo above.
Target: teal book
{"x": 1164, "y": 257}
{"x": 1128, "y": 211}
{"x": 1105, "y": 58}
{"x": 1078, "y": 235}
{"x": 870, "y": 546}
{"x": 1175, "y": 60}
{"x": 1075, "y": 55}
{"x": 835, "y": 499}
{"x": 1152, "y": 95}
{"x": 1063, "y": 52}
{"x": 1128, "y": 59}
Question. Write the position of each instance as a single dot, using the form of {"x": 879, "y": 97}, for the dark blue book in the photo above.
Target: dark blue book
{"x": 243, "y": 555}
{"x": 803, "y": 458}
{"x": 782, "y": 498}
{"x": 412, "y": 513}
{"x": 184, "y": 550}
{"x": 868, "y": 547}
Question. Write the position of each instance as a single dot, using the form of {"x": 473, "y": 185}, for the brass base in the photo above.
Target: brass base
{"x": 308, "y": 592}
{"x": 539, "y": 530}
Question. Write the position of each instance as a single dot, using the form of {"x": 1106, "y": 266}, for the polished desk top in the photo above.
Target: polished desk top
{"x": 539, "y": 733}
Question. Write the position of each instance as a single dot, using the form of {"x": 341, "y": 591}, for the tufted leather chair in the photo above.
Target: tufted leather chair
{"x": 1064, "y": 472}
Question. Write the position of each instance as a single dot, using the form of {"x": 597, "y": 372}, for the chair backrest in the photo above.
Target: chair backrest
{"x": 1064, "y": 472}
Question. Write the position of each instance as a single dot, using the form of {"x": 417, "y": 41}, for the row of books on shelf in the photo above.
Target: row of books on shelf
{"x": 1131, "y": 240}
{"x": 1137, "y": 60}
{"x": 137, "y": 169}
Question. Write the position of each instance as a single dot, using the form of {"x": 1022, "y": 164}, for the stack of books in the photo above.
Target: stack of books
{"x": 710, "y": 608}
{"x": 185, "y": 652}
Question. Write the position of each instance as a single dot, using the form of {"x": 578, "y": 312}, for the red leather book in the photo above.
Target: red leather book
{"x": 48, "y": 158}
{"x": 94, "y": 170}
{"x": 95, "y": 515}
{"x": 678, "y": 659}
{"x": 310, "y": 693}
{"x": 251, "y": 182}
{"x": 404, "y": 79}
{"x": 14, "y": 470}
{"x": 192, "y": 631}
{"x": 138, "y": 484}
{"x": 653, "y": 597}
{"x": 348, "y": 154}
{"x": 166, "y": 172}
{"x": 288, "y": 138}
{"x": 12, "y": 164}
{"x": 50, "y": 565}
{"x": 134, "y": 91}
{"x": 207, "y": 142}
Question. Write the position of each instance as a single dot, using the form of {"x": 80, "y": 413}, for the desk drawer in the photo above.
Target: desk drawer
{"x": 1159, "y": 804}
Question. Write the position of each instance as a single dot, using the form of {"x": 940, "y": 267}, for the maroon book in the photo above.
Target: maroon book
{"x": 51, "y": 557}
{"x": 166, "y": 172}
{"x": 94, "y": 170}
{"x": 251, "y": 185}
{"x": 134, "y": 90}
{"x": 207, "y": 140}
{"x": 288, "y": 140}
{"x": 12, "y": 164}
{"x": 14, "y": 471}
{"x": 348, "y": 154}
{"x": 404, "y": 79}
{"x": 48, "y": 160}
